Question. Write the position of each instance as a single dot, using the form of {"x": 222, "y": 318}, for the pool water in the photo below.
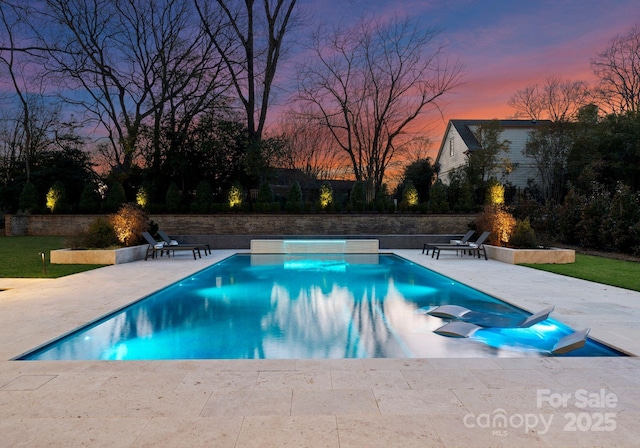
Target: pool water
{"x": 306, "y": 306}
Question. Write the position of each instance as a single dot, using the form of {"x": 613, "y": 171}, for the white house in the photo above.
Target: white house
{"x": 459, "y": 143}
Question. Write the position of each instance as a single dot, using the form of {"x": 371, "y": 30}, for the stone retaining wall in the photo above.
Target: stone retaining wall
{"x": 236, "y": 230}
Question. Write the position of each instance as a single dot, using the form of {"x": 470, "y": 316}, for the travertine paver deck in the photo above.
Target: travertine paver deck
{"x": 317, "y": 403}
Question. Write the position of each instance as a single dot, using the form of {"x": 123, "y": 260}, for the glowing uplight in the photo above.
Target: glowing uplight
{"x": 235, "y": 197}
{"x": 496, "y": 194}
{"x": 53, "y": 197}
{"x": 142, "y": 197}
{"x": 326, "y": 196}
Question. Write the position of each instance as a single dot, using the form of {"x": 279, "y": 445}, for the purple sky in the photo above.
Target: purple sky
{"x": 505, "y": 45}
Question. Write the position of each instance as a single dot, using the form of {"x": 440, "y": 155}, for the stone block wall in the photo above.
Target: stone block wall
{"x": 227, "y": 231}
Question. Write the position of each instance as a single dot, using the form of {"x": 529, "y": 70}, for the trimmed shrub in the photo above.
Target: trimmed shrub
{"x": 383, "y": 202}
{"x": 89, "y": 200}
{"x": 438, "y": 202}
{"x": 28, "y": 201}
{"x": 265, "y": 193}
{"x": 203, "y": 199}
{"x": 523, "y": 236}
{"x": 100, "y": 235}
{"x": 173, "y": 200}
{"x": 115, "y": 198}
{"x": 358, "y": 198}
{"x": 294, "y": 202}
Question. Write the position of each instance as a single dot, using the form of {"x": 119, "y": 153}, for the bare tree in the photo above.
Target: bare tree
{"x": 366, "y": 85}
{"x": 16, "y": 59}
{"x": 557, "y": 100}
{"x": 250, "y": 41}
{"x": 310, "y": 148}
{"x": 618, "y": 68}
{"x": 135, "y": 62}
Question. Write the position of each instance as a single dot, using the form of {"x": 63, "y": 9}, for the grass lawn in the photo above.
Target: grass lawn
{"x": 624, "y": 274}
{"x": 20, "y": 257}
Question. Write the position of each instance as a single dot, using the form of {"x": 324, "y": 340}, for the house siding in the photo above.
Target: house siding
{"x": 447, "y": 161}
{"x": 516, "y": 131}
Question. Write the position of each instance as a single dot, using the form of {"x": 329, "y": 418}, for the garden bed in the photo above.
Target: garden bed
{"x": 550, "y": 255}
{"x": 98, "y": 256}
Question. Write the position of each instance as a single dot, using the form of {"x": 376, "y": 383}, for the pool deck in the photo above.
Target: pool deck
{"x": 465, "y": 402}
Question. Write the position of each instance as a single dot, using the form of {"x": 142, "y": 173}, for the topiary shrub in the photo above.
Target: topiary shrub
{"x": 358, "y": 197}
{"x": 89, "y": 200}
{"x": 115, "y": 197}
{"x": 523, "y": 236}
{"x": 266, "y": 200}
{"x": 28, "y": 201}
{"x": 129, "y": 223}
{"x": 172, "y": 198}
{"x": 100, "y": 235}
{"x": 383, "y": 202}
{"x": 294, "y": 202}
{"x": 203, "y": 199}
{"x": 438, "y": 199}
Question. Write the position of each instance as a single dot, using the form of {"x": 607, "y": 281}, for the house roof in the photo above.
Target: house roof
{"x": 464, "y": 129}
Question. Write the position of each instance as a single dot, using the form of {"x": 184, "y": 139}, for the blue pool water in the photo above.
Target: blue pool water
{"x": 305, "y": 306}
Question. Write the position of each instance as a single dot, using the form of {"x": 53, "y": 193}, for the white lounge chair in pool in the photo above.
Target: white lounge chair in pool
{"x": 461, "y": 313}
{"x": 571, "y": 342}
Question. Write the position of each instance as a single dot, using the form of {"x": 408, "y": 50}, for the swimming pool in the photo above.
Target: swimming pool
{"x": 306, "y": 306}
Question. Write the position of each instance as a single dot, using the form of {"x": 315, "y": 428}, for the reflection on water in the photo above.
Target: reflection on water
{"x": 302, "y": 306}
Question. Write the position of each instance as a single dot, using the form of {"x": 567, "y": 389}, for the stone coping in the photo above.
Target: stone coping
{"x": 530, "y": 256}
{"x": 99, "y": 256}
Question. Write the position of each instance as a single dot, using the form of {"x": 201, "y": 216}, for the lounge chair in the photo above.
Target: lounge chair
{"x": 571, "y": 342}
{"x": 155, "y": 247}
{"x": 171, "y": 242}
{"x": 475, "y": 247}
{"x": 461, "y": 313}
{"x": 566, "y": 344}
{"x": 464, "y": 240}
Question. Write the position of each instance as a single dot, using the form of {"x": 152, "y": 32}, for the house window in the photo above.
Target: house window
{"x": 451, "y": 147}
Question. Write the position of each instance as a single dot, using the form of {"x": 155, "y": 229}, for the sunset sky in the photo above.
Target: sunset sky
{"x": 505, "y": 45}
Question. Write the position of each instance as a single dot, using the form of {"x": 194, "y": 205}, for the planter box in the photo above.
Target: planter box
{"x": 532, "y": 256}
{"x": 99, "y": 256}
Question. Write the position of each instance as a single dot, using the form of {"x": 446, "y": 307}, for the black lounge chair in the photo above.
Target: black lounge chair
{"x": 171, "y": 243}
{"x": 428, "y": 246}
{"x": 155, "y": 247}
{"x": 475, "y": 247}
{"x": 460, "y": 313}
